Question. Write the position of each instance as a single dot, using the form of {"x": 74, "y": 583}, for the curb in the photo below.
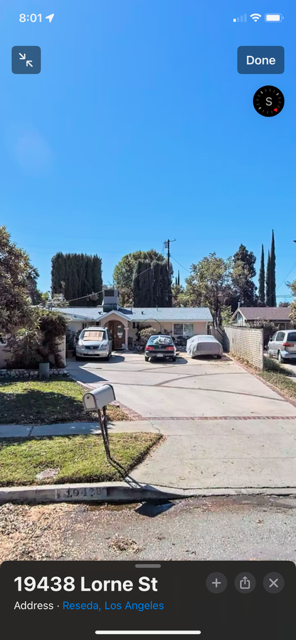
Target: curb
{"x": 86, "y": 492}
{"x": 119, "y": 492}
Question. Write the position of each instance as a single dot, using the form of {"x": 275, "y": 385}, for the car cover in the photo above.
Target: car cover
{"x": 203, "y": 346}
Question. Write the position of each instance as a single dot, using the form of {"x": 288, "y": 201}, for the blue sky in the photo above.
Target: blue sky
{"x": 140, "y": 128}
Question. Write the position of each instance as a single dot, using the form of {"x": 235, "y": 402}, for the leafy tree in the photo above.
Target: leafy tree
{"x": 262, "y": 279}
{"x": 209, "y": 285}
{"x": 124, "y": 273}
{"x": 178, "y": 292}
{"x": 16, "y": 274}
{"x": 243, "y": 270}
{"x": 226, "y": 314}
{"x": 292, "y": 286}
{"x": 78, "y": 277}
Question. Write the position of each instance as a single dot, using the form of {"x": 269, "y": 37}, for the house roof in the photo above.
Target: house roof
{"x": 143, "y": 314}
{"x": 281, "y": 314}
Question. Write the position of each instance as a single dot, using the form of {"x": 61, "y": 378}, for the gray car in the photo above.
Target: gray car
{"x": 282, "y": 345}
{"x": 94, "y": 342}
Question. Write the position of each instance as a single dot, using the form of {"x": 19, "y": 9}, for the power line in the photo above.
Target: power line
{"x": 284, "y": 280}
{"x": 96, "y": 293}
{"x": 180, "y": 265}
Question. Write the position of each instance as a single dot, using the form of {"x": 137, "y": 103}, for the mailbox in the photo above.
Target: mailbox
{"x": 98, "y": 398}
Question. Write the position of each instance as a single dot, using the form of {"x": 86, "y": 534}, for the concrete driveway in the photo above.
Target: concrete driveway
{"x": 186, "y": 388}
{"x": 223, "y": 427}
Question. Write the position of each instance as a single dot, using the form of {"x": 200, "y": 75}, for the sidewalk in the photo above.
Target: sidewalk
{"x": 73, "y": 428}
{"x": 211, "y": 453}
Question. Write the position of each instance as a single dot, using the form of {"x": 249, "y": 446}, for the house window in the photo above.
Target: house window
{"x": 188, "y": 330}
{"x": 178, "y": 329}
{"x": 184, "y": 330}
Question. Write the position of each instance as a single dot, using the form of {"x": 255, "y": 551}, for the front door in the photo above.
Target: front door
{"x": 116, "y": 330}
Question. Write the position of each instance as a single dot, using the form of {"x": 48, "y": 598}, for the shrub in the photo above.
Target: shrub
{"x": 31, "y": 346}
{"x": 146, "y": 333}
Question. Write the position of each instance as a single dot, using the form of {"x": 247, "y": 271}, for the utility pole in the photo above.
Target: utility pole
{"x": 167, "y": 246}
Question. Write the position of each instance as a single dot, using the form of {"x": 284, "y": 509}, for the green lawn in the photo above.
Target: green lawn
{"x": 76, "y": 458}
{"x": 46, "y": 402}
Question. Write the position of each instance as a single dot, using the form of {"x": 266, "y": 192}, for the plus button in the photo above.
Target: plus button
{"x": 216, "y": 583}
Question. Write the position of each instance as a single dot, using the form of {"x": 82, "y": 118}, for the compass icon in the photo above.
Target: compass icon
{"x": 268, "y": 101}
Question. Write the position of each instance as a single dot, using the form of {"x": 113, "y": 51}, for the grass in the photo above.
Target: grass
{"x": 275, "y": 374}
{"x": 75, "y": 458}
{"x": 281, "y": 379}
{"x": 47, "y": 402}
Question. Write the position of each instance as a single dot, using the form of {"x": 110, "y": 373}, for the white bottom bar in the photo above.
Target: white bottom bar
{"x": 147, "y": 633}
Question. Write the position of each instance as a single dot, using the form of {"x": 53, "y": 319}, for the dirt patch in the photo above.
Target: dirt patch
{"x": 119, "y": 543}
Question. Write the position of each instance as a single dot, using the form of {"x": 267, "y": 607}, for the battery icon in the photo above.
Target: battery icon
{"x": 273, "y": 17}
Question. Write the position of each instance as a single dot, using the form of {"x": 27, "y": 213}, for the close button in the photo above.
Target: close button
{"x": 260, "y": 60}
{"x": 273, "y": 582}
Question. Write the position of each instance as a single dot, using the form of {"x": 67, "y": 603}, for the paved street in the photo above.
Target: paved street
{"x": 223, "y": 427}
{"x": 238, "y": 528}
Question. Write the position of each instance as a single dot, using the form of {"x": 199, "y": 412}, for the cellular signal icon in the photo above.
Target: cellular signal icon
{"x": 255, "y": 16}
{"x": 241, "y": 19}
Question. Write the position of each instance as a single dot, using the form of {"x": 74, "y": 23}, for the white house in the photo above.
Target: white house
{"x": 124, "y": 323}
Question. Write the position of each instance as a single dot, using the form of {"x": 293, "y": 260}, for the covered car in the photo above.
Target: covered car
{"x": 204, "y": 346}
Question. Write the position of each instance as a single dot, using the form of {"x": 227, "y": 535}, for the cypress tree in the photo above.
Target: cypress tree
{"x": 267, "y": 290}
{"x": 141, "y": 293}
{"x": 157, "y": 292}
{"x": 272, "y": 273}
{"x": 97, "y": 283}
{"x": 76, "y": 276}
{"x": 166, "y": 285}
{"x": 262, "y": 279}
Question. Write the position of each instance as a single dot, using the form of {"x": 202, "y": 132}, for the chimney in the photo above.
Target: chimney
{"x": 110, "y": 300}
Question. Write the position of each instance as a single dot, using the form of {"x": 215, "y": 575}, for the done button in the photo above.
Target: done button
{"x": 261, "y": 60}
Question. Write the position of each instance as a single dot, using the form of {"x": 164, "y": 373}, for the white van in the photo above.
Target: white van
{"x": 94, "y": 342}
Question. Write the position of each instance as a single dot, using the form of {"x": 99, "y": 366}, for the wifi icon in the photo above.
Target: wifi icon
{"x": 255, "y": 16}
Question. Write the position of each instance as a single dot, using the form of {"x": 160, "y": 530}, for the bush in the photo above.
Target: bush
{"x": 31, "y": 346}
{"x": 146, "y": 333}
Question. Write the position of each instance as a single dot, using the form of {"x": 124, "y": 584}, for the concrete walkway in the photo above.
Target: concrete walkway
{"x": 72, "y": 428}
{"x": 203, "y": 453}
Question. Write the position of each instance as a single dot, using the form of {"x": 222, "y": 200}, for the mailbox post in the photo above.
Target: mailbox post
{"x": 97, "y": 400}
